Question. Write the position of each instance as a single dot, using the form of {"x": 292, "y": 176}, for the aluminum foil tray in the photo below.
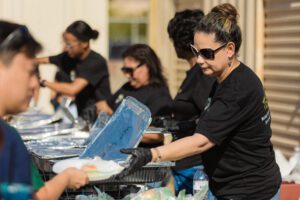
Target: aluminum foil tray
{"x": 57, "y": 147}
{"x": 26, "y": 121}
{"x": 46, "y": 131}
{"x": 155, "y": 130}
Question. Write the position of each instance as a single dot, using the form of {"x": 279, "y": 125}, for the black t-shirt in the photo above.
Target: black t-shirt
{"x": 155, "y": 96}
{"x": 237, "y": 119}
{"x": 188, "y": 105}
{"x": 93, "y": 69}
{"x": 65, "y": 66}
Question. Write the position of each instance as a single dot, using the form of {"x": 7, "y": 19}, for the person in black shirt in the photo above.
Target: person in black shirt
{"x": 65, "y": 74}
{"x": 191, "y": 97}
{"x": 233, "y": 133}
{"x": 146, "y": 83}
{"x": 91, "y": 83}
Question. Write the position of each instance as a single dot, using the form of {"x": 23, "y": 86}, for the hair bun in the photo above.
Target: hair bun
{"x": 95, "y": 34}
{"x": 228, "y": 11}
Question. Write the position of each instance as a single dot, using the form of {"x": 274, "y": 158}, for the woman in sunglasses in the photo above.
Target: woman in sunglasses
{"x": 146, "y": 83}
{"x": 17, "y": 83}
{"x": 90, "y": 82}
{"x": 233, "y": 134}
{"x": 190, "y": 100}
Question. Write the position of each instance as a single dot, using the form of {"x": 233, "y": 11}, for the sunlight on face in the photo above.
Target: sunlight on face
{"x": 213, "y": 67}
{"x": 72, "y": 45}
{"x": 140, "y": 75}
{"x": 18, "y": 81}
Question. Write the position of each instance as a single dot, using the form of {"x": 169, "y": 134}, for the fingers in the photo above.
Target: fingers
{"x": 86, "y": 180}
{"x": 77, "y": 178}
{"x": 127, "y": 151}
{"x": 78, "y": 184}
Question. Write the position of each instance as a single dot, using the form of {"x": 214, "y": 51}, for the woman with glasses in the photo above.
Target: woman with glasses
{"x": 191, "y": 97}
{"x": 17, "y": 83}
{"x": 233, "y": 133}
{"x": 146, "y": 83}
{"x": 90, "y": 82}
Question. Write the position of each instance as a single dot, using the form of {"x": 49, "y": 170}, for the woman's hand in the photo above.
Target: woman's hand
{"x": 102, "y": 106}
{"x": 76, "y": 178}
{"x": 140, "y": 157}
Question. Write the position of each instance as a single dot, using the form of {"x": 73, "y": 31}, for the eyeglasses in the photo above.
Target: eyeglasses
{"x": 70, "y": 45}
{"x": 208, "y": 54}
{"x": 15, "y": 39}
{"x": 130, "y": 70}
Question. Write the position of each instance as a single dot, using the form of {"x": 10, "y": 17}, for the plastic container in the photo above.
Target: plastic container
{"x": 124, "y": 129}
{"x": 200, "y": 184}
{"x": 15, "y": 191}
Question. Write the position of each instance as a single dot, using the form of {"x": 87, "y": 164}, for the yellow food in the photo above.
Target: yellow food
{"x": 91, "y": 170}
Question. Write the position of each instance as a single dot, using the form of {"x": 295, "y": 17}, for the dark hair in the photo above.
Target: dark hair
{"x": 146, "y": 55}
{"x": 222, "y": 21}
{"x": 82, "y": 31}
{"x": 14, "y": 39}
{"x": 181, "y": 31}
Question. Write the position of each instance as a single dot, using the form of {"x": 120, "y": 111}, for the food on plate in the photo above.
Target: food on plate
{"x": 91, "y": 171}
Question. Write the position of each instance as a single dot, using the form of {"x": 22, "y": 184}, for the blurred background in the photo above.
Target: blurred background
{"x": 271, "y": 43}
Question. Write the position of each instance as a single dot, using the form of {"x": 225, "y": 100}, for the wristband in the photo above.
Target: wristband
{"x": 158, "y": 159}
{"x": 42, "y": 83}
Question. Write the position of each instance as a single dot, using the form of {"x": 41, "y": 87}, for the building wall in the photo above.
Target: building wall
{"x": 159, "y": 15}
{"x": 282, "y": 71}
{"x": 48, "y": 19}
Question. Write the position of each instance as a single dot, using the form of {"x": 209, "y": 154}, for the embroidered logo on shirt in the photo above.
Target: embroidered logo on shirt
{"x": 265, "y": 103}
{"x": 266, "y": 118}
{"x": 72, "y": 75}
{"x": 119, "y": 99}
{"x": 208, "y": 104}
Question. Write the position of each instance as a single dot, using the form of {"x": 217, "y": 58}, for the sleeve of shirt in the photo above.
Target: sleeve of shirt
{"x": 14, "y": 159}
{"x": 220, "y": 119}
{"x": 57, "y": 59}
{"x": 103, "y": 91}
{"x": 37, "y": 181}
{"x": 94, "y": 71}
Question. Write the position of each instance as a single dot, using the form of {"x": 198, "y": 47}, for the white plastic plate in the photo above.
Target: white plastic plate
{"x": 103, "y": 169}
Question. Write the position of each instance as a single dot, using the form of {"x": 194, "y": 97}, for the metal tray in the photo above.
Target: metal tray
{"x": 28, "y": 121}
{"x": 58, "y": 147}
{"x": 144, "y": 175}
{"x": 46, "y": 131}
{"x": 152, "y": 172}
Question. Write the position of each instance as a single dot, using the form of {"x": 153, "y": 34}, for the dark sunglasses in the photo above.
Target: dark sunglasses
{"x": 15, "y": 39}
{"x": 208, "y": 54}
{"x": 130, "y": 70}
